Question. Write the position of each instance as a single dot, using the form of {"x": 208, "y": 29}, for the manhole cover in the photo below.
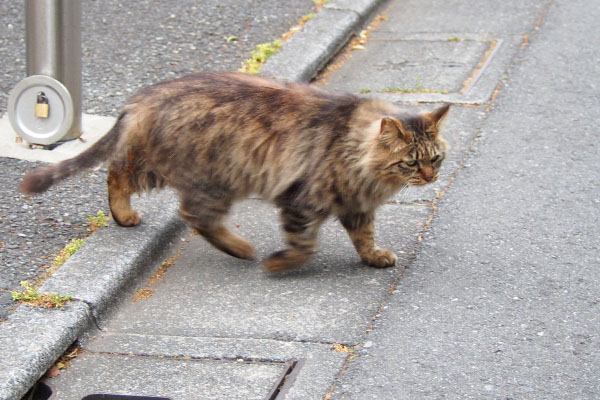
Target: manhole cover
{"x": 411, "y": 66}
{"x": 127, "y": 377}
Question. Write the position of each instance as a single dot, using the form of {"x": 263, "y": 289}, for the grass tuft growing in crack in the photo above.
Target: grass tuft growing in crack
{"x": 259, "y": 56}
{"x": 32, "y": 296}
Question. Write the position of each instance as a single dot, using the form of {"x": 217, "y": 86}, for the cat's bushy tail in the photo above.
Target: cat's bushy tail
{"x": 40, "y": 179}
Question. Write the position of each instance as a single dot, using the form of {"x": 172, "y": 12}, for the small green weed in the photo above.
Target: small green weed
{"x": 406, "y": 90}
{"x": 418, "y": 89}
{"x": 389, "y": 89}
{"x": 419, "y": 86}
{"x": 320, "y": 3}
{"x": 308, "y": 17}
{"x": 30, "y": 295}
{"x": 97, "y": 222}
{"x": 67, "y": 252}
{"x": 259, "y": 57}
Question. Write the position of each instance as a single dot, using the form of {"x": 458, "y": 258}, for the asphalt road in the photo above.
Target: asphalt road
{"x": 125, "y": 45}
{"x": 502, "y": 299}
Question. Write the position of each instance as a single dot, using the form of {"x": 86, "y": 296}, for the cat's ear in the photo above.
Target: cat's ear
{"x": 436, "y": 116}
{"x": 393, "y": 134}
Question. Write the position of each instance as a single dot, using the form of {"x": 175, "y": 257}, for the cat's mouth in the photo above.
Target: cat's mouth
{"x": 420, "y": 180}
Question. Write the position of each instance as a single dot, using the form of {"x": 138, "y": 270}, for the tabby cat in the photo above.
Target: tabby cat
{"x": 216, "y": 138}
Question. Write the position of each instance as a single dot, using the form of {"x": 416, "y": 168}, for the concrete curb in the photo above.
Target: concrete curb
{"x": 33, "y": 339}
{"x": 307, "y": 52}
{"x": 114, "y": 256}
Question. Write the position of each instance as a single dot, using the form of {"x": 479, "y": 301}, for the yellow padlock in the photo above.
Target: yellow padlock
{"x": 42, "y": 108}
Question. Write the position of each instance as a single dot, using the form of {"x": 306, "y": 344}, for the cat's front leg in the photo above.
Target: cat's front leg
{"x": 361, "y": 229}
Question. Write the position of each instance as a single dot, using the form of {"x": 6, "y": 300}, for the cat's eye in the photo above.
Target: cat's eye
{"x": 435, "y": 158}
{"x": 410, "y": 163}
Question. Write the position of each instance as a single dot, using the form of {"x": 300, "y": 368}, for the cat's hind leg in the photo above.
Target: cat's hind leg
{"x": 205, "y": 214}
{"x": 120, "y": 188}
{"x": 361, "y": 229}
{"x": 301, "y": 227}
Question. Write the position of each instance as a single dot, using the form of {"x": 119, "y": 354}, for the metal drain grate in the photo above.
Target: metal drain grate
{"x": 45, "y": 391}
{"x": 40, "y": 391}
{"x": 286, "y": 380}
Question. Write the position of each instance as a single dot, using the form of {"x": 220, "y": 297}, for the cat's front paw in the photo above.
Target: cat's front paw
{"x": 381, "y": 258}
{"x": 130, "y": 219}
{"x": 242, "y": 249}
{"x": 285, "y": 260}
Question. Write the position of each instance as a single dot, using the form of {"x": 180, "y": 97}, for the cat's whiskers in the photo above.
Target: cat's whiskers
{"x": 403, "y": 193}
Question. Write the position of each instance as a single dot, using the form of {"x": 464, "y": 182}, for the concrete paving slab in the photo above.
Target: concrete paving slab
{"x": 503, "y": 299}
{"x": 176, "y": 378}
{"x": 450, "y": 60}
{"x": 479, "y": 87}
{"x": 199, "y": 347}
{"x": 484, "y": 78}
{"x": 332, "y": 299}
{"x": 320, "y": 363}
{"x": 420, "y": 65}
{"x": 93, "y": 126}
{"x": 487, "y": 16}
{"x": 427, "y": 67}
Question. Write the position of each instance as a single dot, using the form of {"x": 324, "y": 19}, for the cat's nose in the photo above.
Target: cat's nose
{"x": 427, "y": 174}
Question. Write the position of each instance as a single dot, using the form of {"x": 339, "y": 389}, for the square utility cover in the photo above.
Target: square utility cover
{"x": 172, "y": 378}
{"x": 411, "y": 66}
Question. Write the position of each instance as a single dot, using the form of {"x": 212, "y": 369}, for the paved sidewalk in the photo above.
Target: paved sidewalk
{"x": 497, "y": 292}
{"x": 502, "y": 301}
{"x": 32, "y": 339}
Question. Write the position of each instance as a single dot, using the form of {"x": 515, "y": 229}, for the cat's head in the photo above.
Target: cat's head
{"x": 411, "y": 149}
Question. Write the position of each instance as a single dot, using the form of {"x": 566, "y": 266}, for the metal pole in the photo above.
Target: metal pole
{"x": 53, "y": 40}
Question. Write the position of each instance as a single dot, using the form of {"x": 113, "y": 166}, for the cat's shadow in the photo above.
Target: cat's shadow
{"x": 313, "y": 270}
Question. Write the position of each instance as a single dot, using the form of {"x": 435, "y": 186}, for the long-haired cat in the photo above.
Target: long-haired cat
{"x": 216, "y": 138}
